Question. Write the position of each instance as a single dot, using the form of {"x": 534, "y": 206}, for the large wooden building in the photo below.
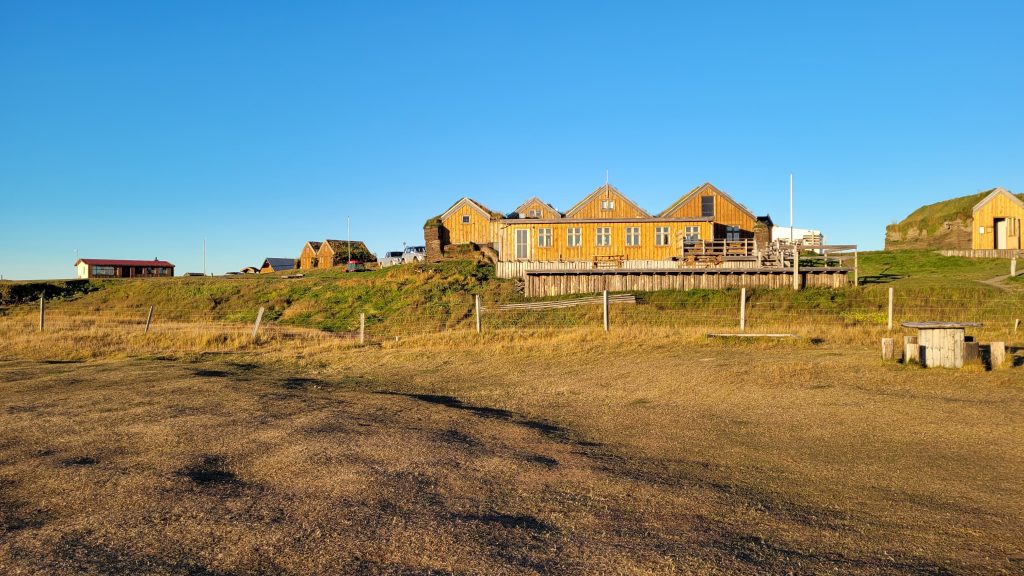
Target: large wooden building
{"x": 603, "y": 225}
{"x": 996, "y": 222}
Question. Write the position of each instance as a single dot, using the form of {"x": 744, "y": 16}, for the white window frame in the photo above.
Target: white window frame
{"x": 604, "y": 236}
{"x": 465, "y": 218}
{"x": 732, "y": 233}
{"x": 662, "y": 236}
{"x": 544, "y": 237}
{"x": 574, "y": 237}
{"x": 691, "y": 233}
{"x": 525, "y": 244}
{"x": 533, "y": 213}
{"x": 608, "y": 204}
{"x": 632, "y": 235}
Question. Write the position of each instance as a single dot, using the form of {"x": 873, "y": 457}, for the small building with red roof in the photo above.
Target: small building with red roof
{"x": 100, "y": 268}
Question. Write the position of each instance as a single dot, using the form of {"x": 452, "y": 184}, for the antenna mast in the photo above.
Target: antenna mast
{"x": 790, "y": 207}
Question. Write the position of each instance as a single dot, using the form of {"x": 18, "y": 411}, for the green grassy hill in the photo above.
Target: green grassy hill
{"x": 943, "y": 225}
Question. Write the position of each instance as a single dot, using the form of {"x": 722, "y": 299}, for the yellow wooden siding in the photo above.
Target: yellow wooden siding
{"x": 307, "y": 257}
{"x": 727, "y": 212}
{"x": 1001, "y": 206}
{"x": 325, "y": 256}
{"x": 623, "y": 207}
{"x": 478, "y": 229}
{"x": 588, "y": 248}
{"x": 547, "y": 212}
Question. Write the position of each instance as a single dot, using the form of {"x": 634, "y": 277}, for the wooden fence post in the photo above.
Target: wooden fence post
{"x": 362, "y": 328}
{"x": 856, "y": 270}
{"x": 42, "y": 313}
{"x": 259, "y": 318}
{"x": 743, "y": 308}
{"x": 890, "y": 308}
{"x": 476, "y": 302}
{"x": 149, "y": 319}
{"x": 605, "y": 307}
{"x": 1013, "y": 268}
{"x": 796, "y": 268}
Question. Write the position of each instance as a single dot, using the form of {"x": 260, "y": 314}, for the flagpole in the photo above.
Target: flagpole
{"x": 790, "y": 207}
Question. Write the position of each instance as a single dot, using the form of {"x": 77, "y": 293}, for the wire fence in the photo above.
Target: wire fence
{"x": 851, "y": 314}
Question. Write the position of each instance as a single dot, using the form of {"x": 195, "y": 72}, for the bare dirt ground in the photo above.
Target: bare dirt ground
{"x": 511, "y": 460}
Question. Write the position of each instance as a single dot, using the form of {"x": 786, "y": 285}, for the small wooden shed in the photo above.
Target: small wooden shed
{"x": 307, "y": 258}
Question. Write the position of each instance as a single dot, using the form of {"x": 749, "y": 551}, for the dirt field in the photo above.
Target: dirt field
{"x": 611, "y": 458}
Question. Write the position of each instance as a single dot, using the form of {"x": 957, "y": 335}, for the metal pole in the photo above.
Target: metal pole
{"x": 477, "y": 301}
{"x": 259, "y": 318}
{"x": 605, "y": 306}
{"x": 362, "y": 328}
{"x": 790, "y": 207}
{"x": 149, "y": 319}
{"x": 890, "y": 308}
{"x": 42, "y": 313}
{"x": 743, "y": 308}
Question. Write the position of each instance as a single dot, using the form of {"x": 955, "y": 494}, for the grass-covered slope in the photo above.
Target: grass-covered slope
{"x": 326, "y": 299}
{"x": 943, "y": 225}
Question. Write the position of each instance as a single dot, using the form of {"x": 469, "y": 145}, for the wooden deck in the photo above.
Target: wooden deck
{"x": 560, "y": 282}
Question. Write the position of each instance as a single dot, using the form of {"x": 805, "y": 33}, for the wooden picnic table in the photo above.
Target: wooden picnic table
{"x": 941, "y": 344}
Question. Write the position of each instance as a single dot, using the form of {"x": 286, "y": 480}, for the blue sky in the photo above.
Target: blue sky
{"x": 136, "y": 129}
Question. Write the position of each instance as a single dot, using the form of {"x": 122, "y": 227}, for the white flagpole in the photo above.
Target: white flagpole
{"x": 790, "y": 207}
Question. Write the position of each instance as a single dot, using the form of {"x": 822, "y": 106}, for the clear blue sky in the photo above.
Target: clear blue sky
{"x": 134, "y": 129}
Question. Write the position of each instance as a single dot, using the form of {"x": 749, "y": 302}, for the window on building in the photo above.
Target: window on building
{"x": 732, "y": 233}
{"x": 102, "y": 270}
{"x": 465, "y": 219}
{"x": 607, "y": 204}
{"x": 534, "y": 213}
{"x": 632, "y": 236}
{"x": 707, "y": 206}
{"x": 522, "y": 244}
{"x": 573, "y": 237}
{"x": 544, "y": 238}
{"x": 604, "y": 236}
{"x": 661, "y": 234}
{"x": 691, "y": 233}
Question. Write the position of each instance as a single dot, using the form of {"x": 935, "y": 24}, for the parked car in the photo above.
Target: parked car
{"x": 355, "y": 266}
{"x": 415, "y": 254}
{"x": 391, "y": 259}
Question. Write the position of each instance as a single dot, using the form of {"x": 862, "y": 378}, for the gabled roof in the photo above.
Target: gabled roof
{"x": 313, "y": 244}
{"x": 339, "y": 245}
{"x": 279, "y": 263}
{"x": 705, "y": 187}
{"x": 996, "y": 192}
{"x": 525, "y": 205}
{"x": 601, "y": 190}
{"x": 473, "y": 204}
{"x": 100, "y": 262}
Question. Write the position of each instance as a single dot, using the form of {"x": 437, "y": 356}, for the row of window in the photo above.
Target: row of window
{"x": 603, "y": 236}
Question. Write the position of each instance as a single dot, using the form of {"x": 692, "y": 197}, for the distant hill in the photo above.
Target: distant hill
{"x": 943, "y": 225}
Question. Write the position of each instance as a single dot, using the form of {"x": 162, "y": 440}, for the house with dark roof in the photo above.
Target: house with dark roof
{"x": 277, "y": 265}
{"x": 103, "y": 268}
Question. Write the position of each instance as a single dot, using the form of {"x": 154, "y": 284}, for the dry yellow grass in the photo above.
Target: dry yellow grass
{"x": 647, "y": 451}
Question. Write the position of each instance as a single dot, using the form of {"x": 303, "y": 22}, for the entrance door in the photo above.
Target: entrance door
{"x": 1000, "y": 233}
{"x": 522, "y": 244}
